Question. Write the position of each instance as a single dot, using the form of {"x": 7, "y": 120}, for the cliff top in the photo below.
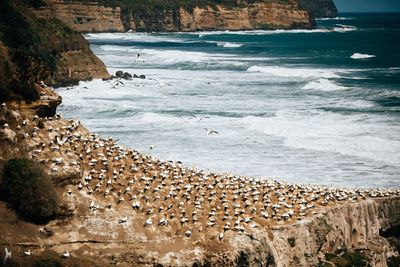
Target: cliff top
{"x": 171, "y": 4}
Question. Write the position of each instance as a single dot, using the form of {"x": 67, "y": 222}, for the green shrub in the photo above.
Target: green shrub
{"x": 29, "y": 190}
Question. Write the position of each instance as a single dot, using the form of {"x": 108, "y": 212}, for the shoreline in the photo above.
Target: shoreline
{"x": 222, "y": 172}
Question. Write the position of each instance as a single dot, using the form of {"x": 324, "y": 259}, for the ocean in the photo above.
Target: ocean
{"x": 315, "y": 106}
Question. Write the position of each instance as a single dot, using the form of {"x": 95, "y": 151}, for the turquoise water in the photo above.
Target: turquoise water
{"x": 319, "y": 106}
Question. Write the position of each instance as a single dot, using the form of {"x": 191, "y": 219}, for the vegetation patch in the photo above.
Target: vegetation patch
{"x": 29, "y": 190}
{"x": 346, "y": 259}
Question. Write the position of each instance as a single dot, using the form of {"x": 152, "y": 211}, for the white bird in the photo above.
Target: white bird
{"x": 27, "y": 253}
{"x": 7, "y": 255}
{"x": 123, "y": 219}
{"x": 148, "y": 222}
{"x": 210, "y": 132}
{"x": 200, "y": 118}
{"x": 66, "y": 254}
{"x": 117, "y": 83}
{"x": 221, "y": 236}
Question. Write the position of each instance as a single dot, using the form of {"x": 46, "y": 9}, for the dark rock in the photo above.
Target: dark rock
{"x": 127, "y": 76}
{"x": 319, "y": 8}
{"x": 119, "y": 74}
{"x": 135, "y": 76}
{"x": 142, "y": 76}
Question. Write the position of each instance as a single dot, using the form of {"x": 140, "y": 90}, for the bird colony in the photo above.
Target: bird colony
{"x": 166, "y": 195}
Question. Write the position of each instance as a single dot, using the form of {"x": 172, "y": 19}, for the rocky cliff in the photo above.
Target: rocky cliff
{"x": 35, "y": 49}
{"x": 319, "y": 8}
{"x": 86, "y": 16}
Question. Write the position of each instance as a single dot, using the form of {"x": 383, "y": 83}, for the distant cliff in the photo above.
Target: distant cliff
{"x": 88, "y": 16}
{"x": 319, "y": 8}
{"x": 33, "y": 49}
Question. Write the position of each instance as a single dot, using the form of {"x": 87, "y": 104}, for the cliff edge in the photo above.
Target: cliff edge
{"x": 33, "y": 49}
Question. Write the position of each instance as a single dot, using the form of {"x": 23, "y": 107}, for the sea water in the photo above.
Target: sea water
{"x": 315, "y": 106}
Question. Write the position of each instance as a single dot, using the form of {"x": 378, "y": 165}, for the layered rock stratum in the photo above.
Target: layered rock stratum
{"x": 87, "y": 16}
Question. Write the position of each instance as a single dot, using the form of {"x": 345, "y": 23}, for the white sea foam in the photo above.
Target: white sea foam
{"x": 361, "y": 56}
{"x": 335, "y": 18}
{"x": 355, "y": 104}
{"x": 323, "y": 85}
{"x": 260, "y": 32}
{"x": 344, "y": 29}
{"x": 115, "y": 48}
{"x": 305, "y": 136}
{"x": 229, "y": 45}
{"x": 329, "y": 132}
{"x": 295, "y": 72}
{"x": 135, "y": 37}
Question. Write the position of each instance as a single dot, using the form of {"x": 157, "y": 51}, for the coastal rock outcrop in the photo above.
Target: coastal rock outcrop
{"x": 84, "y": 16}
{"x": 319, "y": 8}
{"x": 246, "y": 15}
{"x": 34, "y": 48}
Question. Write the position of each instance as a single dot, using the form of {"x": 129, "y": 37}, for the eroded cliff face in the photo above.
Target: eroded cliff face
{"x": 37, "y": 47}
{"x": 84, "y": 17}
{"x": 319, "y": 8}
{"x": 255, "y": 16}
{"x": 91, "y": 17}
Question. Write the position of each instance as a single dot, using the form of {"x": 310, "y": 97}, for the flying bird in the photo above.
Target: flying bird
{"x": 210, "y": 132}
{"x": 200, "y": 118}
{"x": 117, "y": 83}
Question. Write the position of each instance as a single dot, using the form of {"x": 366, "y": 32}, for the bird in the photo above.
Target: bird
{"x": 221, "y": 236}
{"x": 151, "y": 147}
{"x": 123, "y": 219}
{"x": 7, "y": 255}
{"x": 66, "y": 254}
{"x": 210, "y": 132}
{"x": 27, "y": 253}
{"x": 43, "y": 84}
{"x": 117, "y": 83}
{"x": 148, "y": 222}
{"x": 159, "y": 82}
{"x": 200, "y": 118}
{"x": 188, "y": 233}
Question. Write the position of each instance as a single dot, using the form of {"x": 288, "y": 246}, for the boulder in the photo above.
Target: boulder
{"x": 7, "y": 134}
{"x": 119, "y": 74}
{"x": 142, "y": 76}
{"x": 127, "y": 76}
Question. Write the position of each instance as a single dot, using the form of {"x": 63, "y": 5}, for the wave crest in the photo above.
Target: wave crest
{"x": 294, "y": 72}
